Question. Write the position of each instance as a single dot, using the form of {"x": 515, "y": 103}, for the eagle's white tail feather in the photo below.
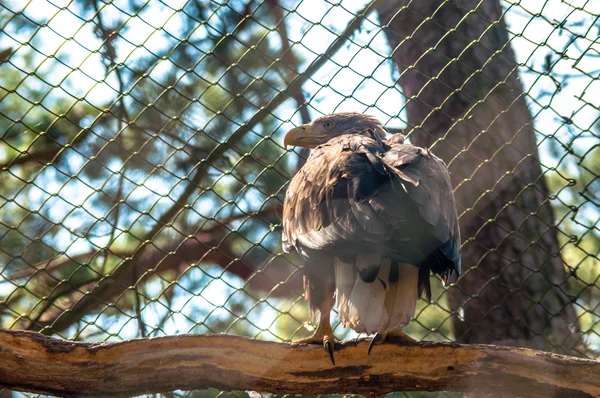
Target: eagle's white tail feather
{"x": 379, "y": 306}
{"x": 401, "y": 299}
{"x": 366, "y": 311}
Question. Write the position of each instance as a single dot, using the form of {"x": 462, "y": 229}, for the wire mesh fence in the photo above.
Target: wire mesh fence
{"x": 142, "y": 171}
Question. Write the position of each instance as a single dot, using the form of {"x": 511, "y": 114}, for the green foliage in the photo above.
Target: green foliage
{"x": 576, "y": 183}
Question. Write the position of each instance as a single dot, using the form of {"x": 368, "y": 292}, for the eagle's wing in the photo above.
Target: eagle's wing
{"x": 368, "y": 209}
{"x": 354, "y": 194}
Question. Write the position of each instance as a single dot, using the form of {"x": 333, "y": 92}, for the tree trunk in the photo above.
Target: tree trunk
{"x": 465, "y": 101}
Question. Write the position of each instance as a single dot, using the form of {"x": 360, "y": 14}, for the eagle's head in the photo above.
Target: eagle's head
{"x": 321, "y": 130}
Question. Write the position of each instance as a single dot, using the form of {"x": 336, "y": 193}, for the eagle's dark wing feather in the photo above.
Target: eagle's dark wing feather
{"x": 353, "y": 195}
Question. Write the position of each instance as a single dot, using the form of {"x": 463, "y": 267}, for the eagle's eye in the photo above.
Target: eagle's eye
{"x": 328, "y": 125}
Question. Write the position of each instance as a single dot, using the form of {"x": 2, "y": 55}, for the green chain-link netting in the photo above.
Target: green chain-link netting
{"x": 142, "y": 170}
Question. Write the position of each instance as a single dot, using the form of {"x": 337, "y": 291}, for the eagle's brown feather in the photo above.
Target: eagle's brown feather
{"x": 376, "y": 206}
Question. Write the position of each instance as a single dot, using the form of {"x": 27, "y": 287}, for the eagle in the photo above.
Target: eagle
{"x": 371, "y": 217}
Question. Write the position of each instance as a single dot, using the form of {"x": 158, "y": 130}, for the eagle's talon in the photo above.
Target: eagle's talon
{"x": 329, "y": 347}
{"x": 374, "y": 341}
{"x": 323, "y": 336}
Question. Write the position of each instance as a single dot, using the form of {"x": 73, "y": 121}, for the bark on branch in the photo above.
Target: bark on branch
{"x": 37, "y": 363}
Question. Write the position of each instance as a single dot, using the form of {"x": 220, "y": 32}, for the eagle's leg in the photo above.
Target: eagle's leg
{"x": 324, "y": 333}
{"x": 379, "y": 338}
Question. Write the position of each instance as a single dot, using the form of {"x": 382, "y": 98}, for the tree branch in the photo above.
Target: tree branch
{"x": 36, "y": 363}
{"x": 41, "y": 156}
{"x": 277, "y": 278}
{"x": 150, "y": 260}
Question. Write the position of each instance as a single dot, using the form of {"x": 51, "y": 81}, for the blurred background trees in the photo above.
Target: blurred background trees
{"x": 142, "y": 171}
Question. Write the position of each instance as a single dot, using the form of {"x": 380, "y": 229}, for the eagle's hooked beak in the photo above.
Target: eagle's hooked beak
{"x": 302, "y": 136}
